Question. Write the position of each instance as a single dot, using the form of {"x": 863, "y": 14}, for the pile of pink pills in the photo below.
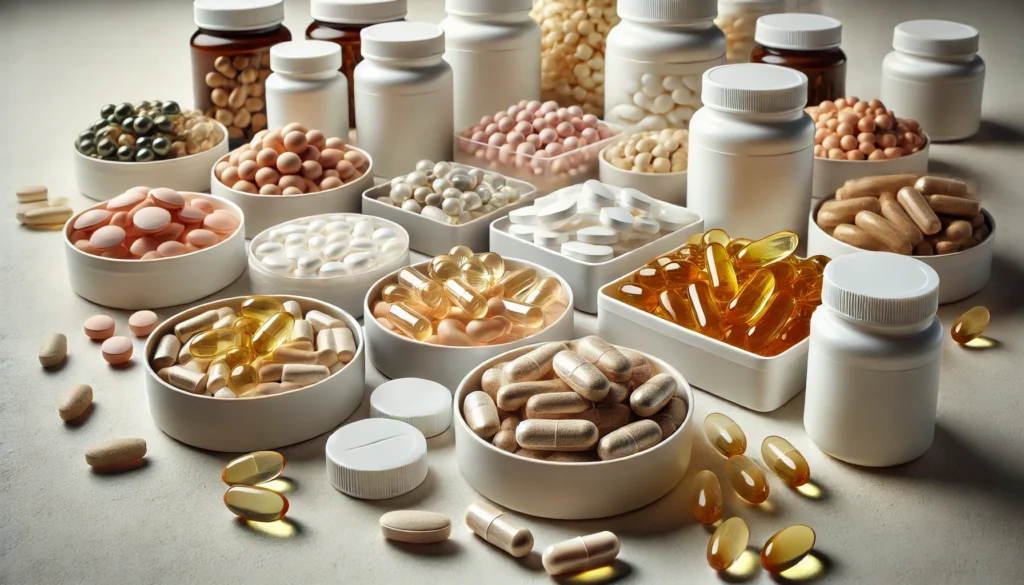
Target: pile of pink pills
{"x": 147, "y": 224}
{"x": 117, "y": 349}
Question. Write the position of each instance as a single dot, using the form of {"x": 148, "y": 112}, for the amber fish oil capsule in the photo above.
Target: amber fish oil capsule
{"x": 638, "y": 295}
{"x": 728, "y": 543}
{"x": 275, "y": 331}
{"x": 747, "y": 479}
{"x": 787, "y": 547}
{"x": 970, "y": 325}
{"x": 255, "y": 503}
{"x": 261, "y": 308}
{"x": 782, "y": 458}
{"x": 767, "y": 250}
{"x": 255, "y": 468}
{"x": 723, "y": 276}
{"x": 752, "y": 297}
{"x": 707, "y": 501}
{"x": 724, "y": 434}
{"x": 581, "y": 553}
{"x": 495, "y": 527}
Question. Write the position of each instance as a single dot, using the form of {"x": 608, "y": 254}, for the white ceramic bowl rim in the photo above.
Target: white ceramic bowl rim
{"x": 922, "y": 152}
{"x": 68, "y": 229}
{"x": 614, "y": 127}
{"x": 369, "y": 171}
{"x": 522, "y": 350}
{"x": 152, "y": 342}
{"x": 157, "y": 162}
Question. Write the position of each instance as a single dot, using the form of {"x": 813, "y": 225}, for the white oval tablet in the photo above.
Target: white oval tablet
{"x": 556, "y": 214}
{"x": 598, "y": 234}
{"x": 522, "y": 231}
{"x": 267, "y": 248}
{"x": 376, "y": 458}
{"x": 637, "y": 200}
{"x": 646, "y": 225}
{"x": 339, "y": 226}
{"x": 523, "y": 216}
{"x": 277, "y": 263}
{"x": 333, "y": 268}
{"x": 585, "y": 252}
{"x": 673, "y": 220}
{"x": 617, "y": 218}
{"x": 335, "y": 251}
{"x": 549, "y": 238}
{"x": 358, "y": 261}
{"x": 421, "y": 403}
{"x": 596, "y": 193}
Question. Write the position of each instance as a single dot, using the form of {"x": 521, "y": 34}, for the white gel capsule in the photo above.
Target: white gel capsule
{"x": 333, "y": 268}
{"x": 335, "y": 251}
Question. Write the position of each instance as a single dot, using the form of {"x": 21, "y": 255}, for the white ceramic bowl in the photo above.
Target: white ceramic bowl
{"x": 345, "y": 292}
{"x": 755, "y": 382}
{"x": 265, "y": 211}
{"x": 258, "y": 423}
{"x": 104, "y": 179}
{"x": 397, "y": 356}
{"x": 960, "y": 274}
{"x": 830, "y": 175}
{"x": 431, "y": 237}
{"x": 572, "y": 491}
{"x": 164, "y": 282}
{"x": 667, "y": 187}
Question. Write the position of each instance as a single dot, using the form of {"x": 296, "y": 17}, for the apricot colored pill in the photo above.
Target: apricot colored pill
{"x": 221, "y": 222}
{"x": 151, "y": 219}
{"x": 202, "y": 238}
{"x": 92, "y": 219}
{"x": 142, "y": 323}
{"x": 117, "y": 350}
{"x": 99, "y": 327}
{"x": 707, "y": 501}
{"x": 167, "y": 198}
{"x": 728, "y": 543}
{"x": 787, "y": 547}
{"x": 172, "y": 248}
{"x": 107, "y": 237}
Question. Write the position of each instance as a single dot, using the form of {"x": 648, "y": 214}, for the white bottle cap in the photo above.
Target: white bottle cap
{"x": 357, "y": 11}
{"x": 237, "y": 15}
{"x": 585, "y": 252}
{"x": 421, "y": 403}
{"x": 617, "y": 218}
{"x": 667, "y": 11}
{"x": 376, "y": 458}
{"x": 554, "y": 215}
{"x": 472, "y": 7}
{"x": 549, "y": 238}
{"x": 798, "y": 32}
{"x": 935, "y": 38}
{"x": 402, "y": 40}
{"x": 755, "y": 88}
{"x": 598, "y": 234}
{"x": 522, "y": 231}
{"x": 303, "y": 57}
{"x": 881, "y": 288}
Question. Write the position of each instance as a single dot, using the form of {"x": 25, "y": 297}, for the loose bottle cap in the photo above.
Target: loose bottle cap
{"x": 880, "y": 288}
{"x": 402, "y": 40}
{"x": 421, "y": 403}
{"x": 754, "y": 88}
{"x": 471, "y": 7}
{"x": 357, "y": 11}
{"x": 236, "y": 15}
{"x": 799, "y": 32}
{"x": 935, "y": 38}
{"x": 667, "y": 11}
{"x": 376, "y": 458}
{"x": 299, "y": 57}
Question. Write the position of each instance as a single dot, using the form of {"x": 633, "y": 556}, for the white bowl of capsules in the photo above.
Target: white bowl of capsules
{"x": 510, "y": 456}
{"x": 151, "y": 248}
{"x": 334, "y": 257}
{"x": 291, "y": 172}
{"x": 652, "y": 162}
{"x": 442, "y": 343}
{"x": 310, "y": 398}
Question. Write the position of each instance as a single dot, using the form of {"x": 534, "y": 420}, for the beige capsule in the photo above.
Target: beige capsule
{"x": 532, "y": 453}
{"x": 615, "y": 366}
{"x": 581, "y": 553}
{"x": 631, "y": 439}
{"x": 415, "y": 526}
{"x": 883, "y": 231}
{"x": 671, "y": 416}
{"x": 326, "y": 357}
{"x": 608, "y": 417}
{"x": 23, "y": 208}
{"x": 505, "y": 440}
{"x": 557, "y": 435}
{"x": 269, "y": 388}
{"x": 515, "y": 395}
{"x": 581, "y": 375}
{"x": 185, "y": 379}
{"x": 617, "y": 392}
{"x": 495, "y": 527}
{"x": 930, "y": 185}
{"x": 958, "y": 231}
{"x": 302, "y": 330}
{"x": 859, "y": 238}
{"x": 115, "y": 454}
{"x": 891, "y": 211}
{"x": 224, "y": 322}
{"x": 202, "y": 322}
{"x": 53, "y": 351}
{"x": 834, "y": 213}
{"x": 44, "y": 216}
{"x": 874, "y": 186}
{"x": 957, "y": 206}
{"x": 946, "y": 247}
{"x": 217, "y": 375}
{"x": 345, "y": 342}
{"x": 917, "y": 207}
{"x": 587, "y": 456}
{"x": 653, "y": 395}
{"x": 304, "y": 374}
{"x": 271, "y": 372}
{"x": 31, "y": 193}
{"x": 642, "y": 370}
{"x": 553, "y": 405}
{"x": 75, "y": 402}
{"x": 320, "y": 320}
{"x": 292, "y": 354}
{"x": 925, "y": 248}
{"x": 491, "y": 380}
{"x": 533, "y": 365}
{"x": 481, "y": 414}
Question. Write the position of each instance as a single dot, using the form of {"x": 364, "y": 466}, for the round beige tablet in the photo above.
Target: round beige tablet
{"x": 117, "y": 350}
{"x": 152, "y": 219}
{"x": 415, "y": 526}
{"x": 191, "y": 214}
{"x": 107, "y": 237}
{"x": 172, "y": 248}
{"x": 142, "y": 323}
{"x": 99, "y": 327}
{"x": 167, "y": 198}
{"x": 92, "y": 219}
{"x": 221, "y": 222}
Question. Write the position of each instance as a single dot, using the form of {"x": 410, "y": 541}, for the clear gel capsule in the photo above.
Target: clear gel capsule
{"x": 409, "y": 321}
{"x": 767, "y": 250}
{"x": 215, "y": 342}
{"x": 787, "y": 547}
{"x": 254, "y": 468}
{"x": 707, "y": 502}
{"x": 256, "y": 503}
{"x": 782, "y": 458}
{"x": 728, "y": 543}
{"x": 261, "y": 308}
{"x": 724, "y": 434}
{"x": 525, "y": 314}
{"x": 465, "y": 297}
{"x": 544, "y": 293}
{"x": 747, "y": 479}
{"x": 518, "y": 281}
{"x": 495, "y": 265}
{"x": 475, "y": 274}
{"x": 430, "y": 292}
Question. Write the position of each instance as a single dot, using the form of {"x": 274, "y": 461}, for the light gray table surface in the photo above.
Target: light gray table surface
{"x": 953, "y": 516}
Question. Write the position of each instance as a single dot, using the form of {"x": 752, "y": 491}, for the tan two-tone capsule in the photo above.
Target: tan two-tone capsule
{"x": 481, "y": 414}
{"x": 612, "y": 362}
{"x": 631, "y": 439}
{"x": 581, "y": 553}
{"x": 556, "y": 435}
{"x": 495, "y": 527}
{"x": 653, "y": 395}
{"x": 556, "y": 405}
{"x": 515, "y": 395}
{"x": 581, "y": 375}
{"x": 533, "y": 365}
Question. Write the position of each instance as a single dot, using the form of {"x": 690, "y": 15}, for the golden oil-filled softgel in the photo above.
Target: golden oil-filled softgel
{"x": 756, "y": 296}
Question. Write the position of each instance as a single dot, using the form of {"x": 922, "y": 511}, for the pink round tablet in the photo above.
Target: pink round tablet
{"x": 221, "y": 221}
{"x": 94, "y": 218}
{"x": 173, "y": 232}
{"x": 167, "y": 198}
{"x": 191, "y": 214}
{"x": 117, "y": 350}
{"x": 128, "y": 199}
{"x": 152, "y": 219}
{"x": 99, "y": 327}
{"x": 143, "y": 246}
{"x": 202, "y": 238}
{"x": 204, "y": 205}
{"x": 142, "y": 323}
{"x": 171, "y": 248}
{"x": 154, "y": 255}
{"x": 107, "y": 237}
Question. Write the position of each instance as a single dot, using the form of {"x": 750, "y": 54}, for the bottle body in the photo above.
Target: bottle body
{"x": 738, "y": 20}
{"x": 748, "y": 174}
{"x": 653, "y": 72}
{"x": 825, "y": 69}
{"x": 943, "y": 95}
{"x": 319, "y": 102}
{"x": 872, "y": 392}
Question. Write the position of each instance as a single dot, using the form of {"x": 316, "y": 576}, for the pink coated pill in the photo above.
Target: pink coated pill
{"x": 496, "y": 139}
{"x": 525, "y": 116}
{"x": 479, "y": 136}
{"x": 539, "y": 124}
{"x": 99, "y": 327}
{"x": 506, "y": 124}
{"x": 201, "y": 238}
{"x": 491, "y": 129}
{"x": 547, "y": 136}
{"x": 590, "y": 121}
{"x": 526, "y": 148}
{"x": 221, "y": 222}
{"x": 554, "y": 149}
{"x": 486, "y": 120}
{"x": 590, "y": 135}
{"x": 191, "y": 214}
{"x": 86, "y": 247}
{"x": 171, "y": 248}
{"x": 512, "y": 110}
{"x": 575, "y": 111}
{"x": 77, "y": 236}
{"x": 107, "y": 237}
{"x": 119, "y": 252}
{"x": 173, "y": 232}
{"x": 167, "y": 198}
{"x": 142, "y": 323}
{"x": 565, "y": 129}
{"x": 120, "y": 219}
{"x": 128, "y": 199}
{"x": 514, "y": 139}
{"x": 143, "y": 245}
{"x": 571, "y": 143}
{"x": 117, "y": 350}
{"x": 152, "y": 219}
{"x": 92, "y": 219}
{"x": 524, "y": 128}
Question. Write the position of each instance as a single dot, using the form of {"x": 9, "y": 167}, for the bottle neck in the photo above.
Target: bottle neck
{"x": 954, "y": 59}
{"x": 786, "y": 116}
{"x": 881, "y": 329}
{"x": 241, "y": 33}
{"x": 423, "y": 63}
{"x": 319, "y": 76}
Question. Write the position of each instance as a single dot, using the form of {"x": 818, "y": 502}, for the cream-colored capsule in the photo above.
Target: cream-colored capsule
{"x": 217, "y": 376}
{"x": 186, "y": 379}
{"x": 346, "y": 343}
{"x": 671, "y": 416}
{"x": 642, "y": 370}
{"x": 491, "y": 380}
{"x": 581, "y": 553}
{"x": 581, "y": 375}
{"x": 653, "y": 395}
{"x": 494, "y": 526}
{"x": 532, "y": 453}
{"x": 572, "y": 456}
{"x": 53, "y": 351}
{"x": 166, "y": 353}
{"x": 115, "y": 454}
{"x": 289, "y": 354}
{"x": 556, "y": 404}
{"x": 75, "y": 402}
{"x": 533, "y": 365}
{"x": 320, "y": 320}
{"x": 606, "y": 357}
{"x": 608, "y": 417}
{"x": 302, "y": 330}
{"x": 201, "y": 322}
{"x": 616, "y": 392}
{"x": 415, "y": 526}
{"x": 633, "y": 438}
{"x": 326, "y": 340}
{"x": 515, "y": 396}
{"x": 505, "y": 440}
{"x": 304, "y": 374}
{"x": 481, "y": 414}
{"x": 556, "y": 435}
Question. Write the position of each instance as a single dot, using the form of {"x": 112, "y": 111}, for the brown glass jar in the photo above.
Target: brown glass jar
{"x": 231, "y": 61}
{"x": 808, "y": 43}
{"x": 341, "y": 22}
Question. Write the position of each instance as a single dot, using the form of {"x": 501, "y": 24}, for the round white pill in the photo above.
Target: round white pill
{"x": 421, "y": 403}
{"x": 646, "y": 225}
{"x": 556, "y": 214}
{"x": 524, "y": 215}
{"x": 598, "y": 234}
{"x": 549, "y": 238}
{"x": 376, "y": 458}
{"x": 522, "y": 231}
{"x": 585, "y": 252}
{"x": 277, "y": 263}
{"x": 617, "y": 218}
{"x": 330, "y": 269}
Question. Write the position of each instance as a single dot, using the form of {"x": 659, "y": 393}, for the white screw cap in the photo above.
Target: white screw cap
{"x": 376, "y": 458}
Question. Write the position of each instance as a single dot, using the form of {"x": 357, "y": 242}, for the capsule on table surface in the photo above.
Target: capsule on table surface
{"x": 612, "y": 362}
{"x": 787, "y": 547}
{"x": 255, "y": 503}
{"x": 494, "y": 263}
{"x": 475, "y": 274}
{"x": 631, "y": 439}
{"x": 441, "y": 269}
{"x": 249, "y": 325}
{"x": 522, "y": 313}
{"x": 783, "y": 458}
{"x": 518, "y": 281}
{"x": 255, "y": 468}
{"x": 728, "y": 543}
{"x": 970, "y": 325}
{"x": 680, "y": 273}
{"x": 534, "y": 364}
{"x": 261, "y": 308}
{"x": 465, "y": 297}
{"x": 638, "y": 295}
{"x": 556, "y": 435}
{"x": 544, "y": 292}
{"x": 653, "y": 277}
{"x": 705, "y": 309}
{"x": 215, "y": 342}
{"x": 581, "y": 375}
{"x": 429, "y": 292}
{"x": 707, "y": 501}
{"x": 773, "y": 318}
{"x": 767, "y": 250}
{"x": 752, "y": 297}
{"x": 409, "y": 322}
{"x": 747, "y": 479}
{"x": 723, "y": 276}
{"x": 495, "y": 527}
{"x": 724, "y": 434}
{"x": 481, "y": 414}
{"x": 581, "y": 553}
{"x": 677, "y": 308}
{"x": 275, "y": 331}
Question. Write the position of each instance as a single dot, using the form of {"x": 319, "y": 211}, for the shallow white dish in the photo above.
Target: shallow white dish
{"x": 345, "y": 292}
{"x": 755, "y": 382}
{"x": 960, "y": 274}
{"x": 572, "y": 491}
{"x": 830, "y": 175}
{"x": 262, "y": 422}
{"x": 104, "y": 179}
{"x": 265, "y": 211}
{"x": 397, "y": 356}
{"x": 164, "y": 282}
{"x": 431, "y": 237}
{"x": 667, "y": 187}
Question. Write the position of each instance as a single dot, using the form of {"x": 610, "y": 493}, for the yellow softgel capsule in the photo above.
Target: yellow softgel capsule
{"x": 465, "y": 297}
{"x": 216, "y": 342}
{"x": 255, "y": 503}
{"x": 784, "y": 273}
{"x": 409, "y": 321}
{"x": 736, "y": 245}
{"x": 680, "y": 273}
{"x": 518, "y": 281}
{"x": 274, "y": 331}
{"x": 707, "y": 501}
{"x": 771, "y": 321}
{"x": 248, "y": 324}
{"x": 691, "y": 253}
{"x": 793, "y": 332}
{"x": 639, "y": 296}
{"x": 721, "y": 272}
{"x": 752, "y": 297}
{"x": 662, "y": 260}
{"x": 428, "y": 291}
{"x": 767, "y": 250}
{"x": 243, "y": 378}
{"x": 676, "y": 308}
{"x": 724, "y": 434}
{"x": 494, "y": 263}
{"x": 819, "y": 262}
{"x": 715, "y": 236}
{"x": 396, "y": 293}
{"x": 460, "y": 253}
{"x": 237, "y": 356}
{"x": 544, "y": 293}
{"x": 787, "y": 547}
{"x": 970, "y": 325}
{"x": 475, "y": 274}
{"x": 783, "y": 458}
{"x": 696, "y": 240}
{"x": 747, "y": 479}
{"x": 441, "y": 269}
{"x": 255, "y": 468}
{"x": 709, "y": 318}
{"x": 653, "y": 277}
{"x": 525, "y": 314}
{"x": 728, "y": 543}
{"x": 261, "y": 308}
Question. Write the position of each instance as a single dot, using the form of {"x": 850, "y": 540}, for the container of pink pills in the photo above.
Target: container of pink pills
{"x": 151, "y": 248}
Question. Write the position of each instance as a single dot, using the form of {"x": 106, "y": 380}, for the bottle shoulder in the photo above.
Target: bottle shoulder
{"x": 869, "y": 347}
{"x": 640, "y": 42}
{"x": 372, "y": 76}
{"x": 476, "y": 35}
{"x": 923, "y": 70}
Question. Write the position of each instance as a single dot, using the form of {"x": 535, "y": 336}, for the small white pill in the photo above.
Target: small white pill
{"x": 637, "y": 200}
{"x": 296, "y": 239}
{"x": 524, "y": 215}
{"x": 585, "y": 252}
{"x": 556, "y": 214}
{"x": 330, "y": 269}
{"x": 363, "y": 229}
{"x": 381, "y": 235}
{"x": 412, "y": 205}
{"x": 358, "y": 261}
{"x": 338, "y": 227}
{"x": 434, "y": 213}
{"x": 308, "y": 265}
{"x": 316, "y": 244}
{"x": 316, "y": 226}
{"x": 646, "y": 225}
{"x": 361, "y": 244}
{"x": 339, "y": 237}
{"x": 549, "y": 238}
{"x": 617, "y": 218}
{"x": 595, "y": 193}
{"x": 277, "y": 263}
{"x": 335, "y": 251}
{"x": 598, "y": 234}
{"x": 522, "y": 231}
{"x": 267, "y": 248}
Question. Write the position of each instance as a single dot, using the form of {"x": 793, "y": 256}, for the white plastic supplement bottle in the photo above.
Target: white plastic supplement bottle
{"x": 306, "y": 87}
{"x": 936, "y": 77}
{"x": 873, "y": 361}
{"x": 654, "y": 59}
{"x": 403, "y": 96}
{"x": 493, "y": 47}
{"x": 751, "y": 151}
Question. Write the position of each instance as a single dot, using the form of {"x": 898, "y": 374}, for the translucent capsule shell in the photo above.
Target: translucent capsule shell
{"x": 723, "y": 276}
{"x": 256, "y": 503}
{"x": 522, "y": 313}
{"x": 475, "y": 274}
{"x": 216, "y": 342}
{"x": 724, "y": 434}
{"x": 261, "y": 308}
{"x": 441, "y": 269}
{"x": 462, "y": 295}
{"x": 747, "y": 479}
{"x": 653, "y": 277}
{"x": 752, "y": 297}
{"x": 728, "y": 543}
{"x": 639, "y": 296}
{"x": 707, "y": 500}
{"x": 787, "y": 547}
{"x": 409, "y": 321}
{"x": 429, "y": 292}
{"x": 518, "y": 281}
{"x": 544, "y": 292}
{"x": 767, "y": 250}
{"x": 275, "y": 331}
{"x": 783, "y": 458}
{"x": 970, "y": 325}
{"x": 254, "y": 468}
{"x": 494, "y": 263}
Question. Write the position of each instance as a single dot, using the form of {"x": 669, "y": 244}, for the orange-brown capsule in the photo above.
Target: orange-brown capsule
{"x": 677, "y": 309}
{"x": 787, "y": 547}
{"x": 793, "y": 332}
{"x": 247, "y": 324}
{"x": 680, "y": 273}
{"x": 768, "y": 250}
{"x": 771, "y": 321}
{"x": 784, "y": 273}
{"x": 728, "y": 543}
{"x": 747, "y": 479}
{"x": 970, "y": 325}
{"x": 782, "y": 457}
{"x": 715, "y": 236}
{"x": 709, "y": 319}
{"x": 707, "y": 501}
{"x": 736, "y": 245}
{"x": 639, "y": 296}
{"x": 724, "y": 434}
{"x": 752, "y": 298}
{"x": 721, "y": 272}
{"x": 663, "y": 260}
{"x": 653, "y": 277}
{"x": 736, "y": 336}
{"x": 696, "y": 240}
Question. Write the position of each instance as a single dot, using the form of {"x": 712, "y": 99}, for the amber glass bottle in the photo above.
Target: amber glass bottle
{"x": 808, "y": 43}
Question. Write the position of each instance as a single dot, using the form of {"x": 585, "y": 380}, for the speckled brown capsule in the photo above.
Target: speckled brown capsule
{"x": 581, "y": 375}
{"x": 556, "y": 435}
{"x": 481, "y": 414}
{"x": 494, "y": 526}
{"x": 606, "y": 357}
{"x": 630, "y": 439}
{"x": 514, "y": 396}
{"x": 556, "y": 404}
{"x": 671, "y": 416}
{"x": 533, "y": 365}
{"x": 653, "y": 395}
{"x": 642, "y": 368}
